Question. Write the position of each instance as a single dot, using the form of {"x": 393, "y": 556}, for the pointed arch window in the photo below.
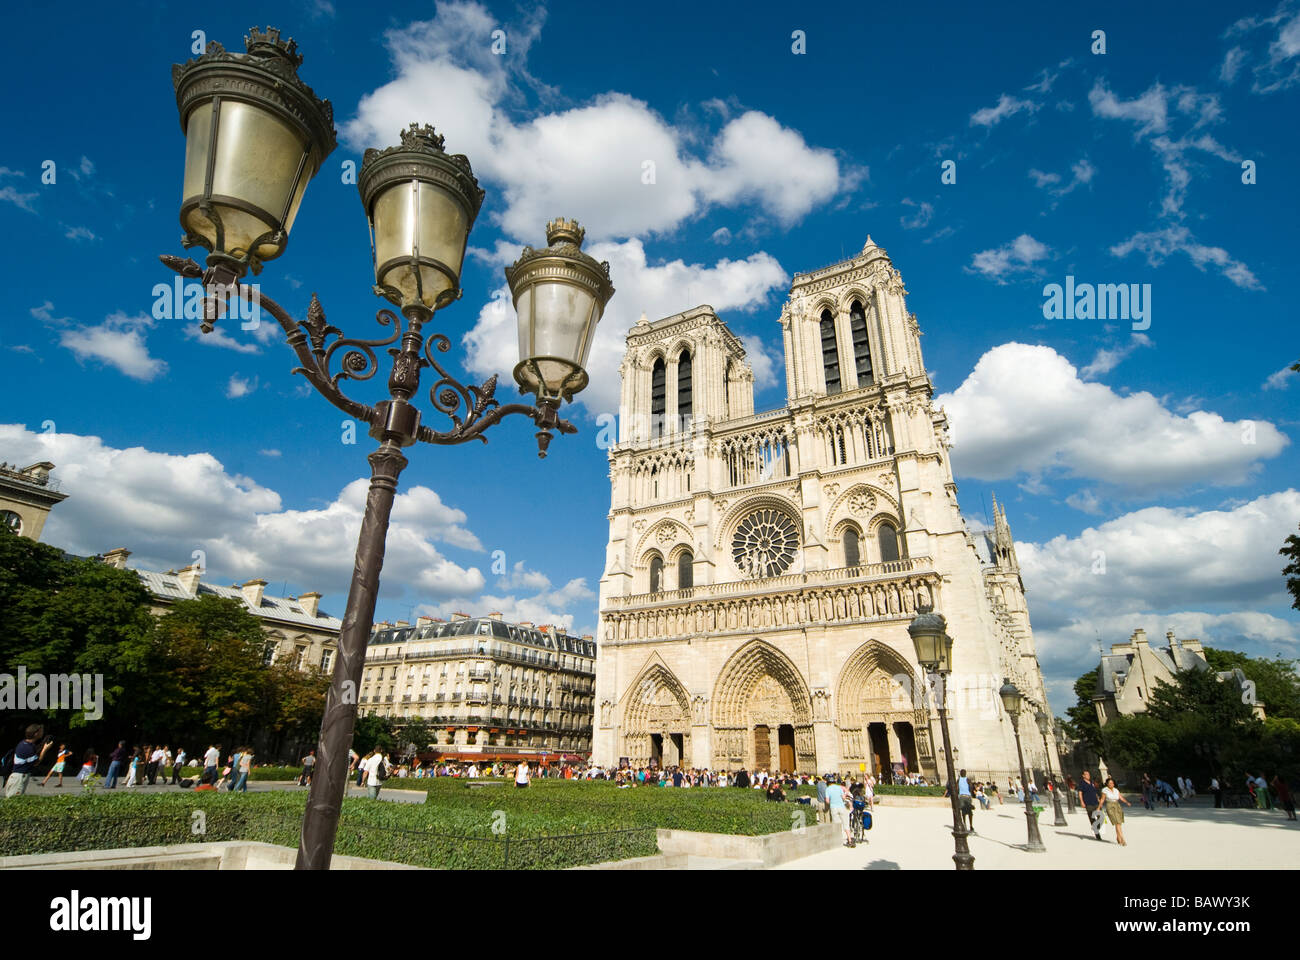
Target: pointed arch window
{"x": 830, "y": 354}
{"x": 658, "y": 395}
{"x": 684, "y": 398}
{"x": 852, "y": 548}
{"x": 888, "y": 538}
{"x": 656, "y": 574}
{"x": 861, "y": 345}
{"x": 685, "y": 570}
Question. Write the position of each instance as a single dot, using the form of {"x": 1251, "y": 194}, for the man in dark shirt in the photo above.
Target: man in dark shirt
{"x": 1091, "y": 800}
{"x": 116, "y": 759}
{"x": 26, "y": 757}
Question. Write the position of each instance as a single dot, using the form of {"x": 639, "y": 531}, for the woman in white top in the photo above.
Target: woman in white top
{"x": 1111, "y": 799}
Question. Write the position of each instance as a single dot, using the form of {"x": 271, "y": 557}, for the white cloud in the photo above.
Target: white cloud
{"x": 762, "y": 361}
{"x": 1025, "y": 410}
{"x": 1149, "y": 112}
{"x": 1086, "y": 501}
{"x": 1232, "y": 61}
{"x": 591, "y": 162}
{"x": 1005, "y": 107}
{"x": 1018, "y": 256}
{"x": 1108, "y": 359}
{"x": 164, "y": 506}
{"x": 1157, "y": 245}
{"x": 657, "y": 290}
{"x": 119, "y": 342}
{"x": 924, "y": 213}
{"x": 270, "y": 452}
{"x": 240, "y": 386}
{"x": 79, "y": 233}
{"x": 219, "y": 338}
{"x": 23, "y": 201}
{"x": 544, "y": 607}
{"x": 1279, "y": 380}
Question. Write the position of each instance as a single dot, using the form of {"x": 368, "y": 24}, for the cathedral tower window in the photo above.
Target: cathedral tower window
{"x": 685, "y": 570}
{"x": 656, "y": 574}
{"x": 852, "y": 550}
{"x": 658, "y": 397}
{"x": 684, "y": 407}
{"x": 861, "y": 346}
{"x": 830, "y": 354}
{"x": 888, "y": 538}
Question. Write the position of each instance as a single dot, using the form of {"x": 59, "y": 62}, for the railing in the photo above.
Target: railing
{"x": 789, "y": 581}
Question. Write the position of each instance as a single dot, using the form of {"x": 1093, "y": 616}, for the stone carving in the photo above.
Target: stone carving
{"x": 832, "y": 489}
{"x": 606, "y": 711}
{"x": 821, "y": 704}
{"x": 862, "y": 502}
{"x": 700, "y": 709}
{"x": 666, "y": 533}
{"x": 638, "y": 525}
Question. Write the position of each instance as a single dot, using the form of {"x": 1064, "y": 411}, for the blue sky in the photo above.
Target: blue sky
{"x": 1167, "y": 450}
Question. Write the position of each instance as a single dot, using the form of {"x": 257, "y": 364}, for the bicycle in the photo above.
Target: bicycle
{"x": 859, "y": 821}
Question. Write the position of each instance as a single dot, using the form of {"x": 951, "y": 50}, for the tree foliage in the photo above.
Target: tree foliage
{"x": 1081, "y": 722}
{"x": 1291, "y": 550}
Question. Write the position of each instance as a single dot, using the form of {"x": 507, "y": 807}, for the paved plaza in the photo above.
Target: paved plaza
{"x": 1191, "y": 837}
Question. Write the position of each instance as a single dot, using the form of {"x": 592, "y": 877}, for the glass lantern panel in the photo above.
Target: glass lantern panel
{"x": 563, "y": 321}
{"x": 257, "y": 160}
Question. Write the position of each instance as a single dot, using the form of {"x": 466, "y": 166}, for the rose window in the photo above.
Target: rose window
{"x": 765, "y": 543}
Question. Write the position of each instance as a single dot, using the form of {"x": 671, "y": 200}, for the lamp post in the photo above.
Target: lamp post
{"x": 1011, "y": 702}
{"x": 1044, "y": 726}
{"x": 934, "y": 653}
{"x": 255, "y": 136}
{"x": 1069, "y": 794}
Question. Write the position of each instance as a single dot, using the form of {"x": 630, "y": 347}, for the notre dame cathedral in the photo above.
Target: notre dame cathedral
{"x": 762, "y": 568}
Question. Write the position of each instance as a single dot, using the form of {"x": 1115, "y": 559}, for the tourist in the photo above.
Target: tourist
{"x": 156, "y": 760}
{"x": 59, "y": 760}
{"x": 89, "y": 764}
{"x": 839, "y": 810}
{"x": 522, "y": 774}
{"x": 308, "y": 767}
{"x": 240, "y": 780}
{"x": 1114, "y": 812}
{"x": 1216, "y": 788}
{"x": 178, "y": 765}
{"x": 231, "y": 773}
{"x": 1091, "y": 801}
{"x": 965, "y": 803}
{"x": 374, "y": 772}
{"x": 1263, "y": 799}
{"x": 135, "y": 766}
{"x": 1284, "y": 798}
{"x": 210, "y": 760}
{"x": 26, "y": 757}
{"x": 774, "y": 791}
{"x": 115, "y": 761}
{"x": 979, "y": 795}
{"x": 1147, "y": 787}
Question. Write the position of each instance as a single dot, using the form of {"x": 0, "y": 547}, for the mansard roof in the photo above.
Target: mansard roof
{"x": 167, "y": 587}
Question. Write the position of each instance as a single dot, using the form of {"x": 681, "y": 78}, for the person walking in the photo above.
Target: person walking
{"x": 823, "y": 811}
{"x": 156, "y": 761}
{"x": 89, "y": 764}
{"x": 178, "y": 764}
{"x": 211, "y": 757}
{"x": 1147, "y": 787}
{"x": 26, "y": 758}
{"x": 59, "y": 760}
{"x": 1262, "y": 797}
{"x": 522, "y": 774}
{"x": 374, "y": 772}
{"x": 1091, "y": 801}
{"x": 116, "y": 760}
{"x": 1284, "y": 798}
{"x": 1217, "y": 789}
{"x": 245, "y": 768}
{"x": 838, "y": 805}
{"x": 308, "y": 767}
{"x": 1114, "y": 812}
{"x": 134, "y": 769}
{"x": 232, "y": 771}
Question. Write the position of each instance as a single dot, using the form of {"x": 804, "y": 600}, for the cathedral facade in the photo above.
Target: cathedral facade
{"x": 762, "y": 569}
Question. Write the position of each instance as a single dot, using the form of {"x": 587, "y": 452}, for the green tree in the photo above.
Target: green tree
{"x": 414, "y": 735}
{"x": 372, "y": 731}
{"x": 1291, "y": 550}
{"x": 1276, "y": 685}
{"x": 210, "y": 677}
{"x": 1081, "y": 722}
{"x": 65, "y": 614}
{"x": 293, "y": 701}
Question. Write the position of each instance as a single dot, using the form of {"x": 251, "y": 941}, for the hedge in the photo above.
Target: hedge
{"x": 397, "y": 832}
{"x": 256, "y": 773}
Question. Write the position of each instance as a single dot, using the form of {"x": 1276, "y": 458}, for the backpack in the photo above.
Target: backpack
{"x": 381, "y": 771}
{"x": 7, "y": 764}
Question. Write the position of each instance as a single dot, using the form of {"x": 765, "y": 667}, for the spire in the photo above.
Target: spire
{"x": 1004, "y": 544}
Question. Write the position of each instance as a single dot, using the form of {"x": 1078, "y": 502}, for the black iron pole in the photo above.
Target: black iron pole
{"x": 962, "y": 857}
{"x": 1035, "y": 844}
{"x": 329, "y": 783}
{"x": 1056, "y": 788}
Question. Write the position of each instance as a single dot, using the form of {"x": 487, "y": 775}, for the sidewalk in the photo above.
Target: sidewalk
{"x": 1194, "y": 836}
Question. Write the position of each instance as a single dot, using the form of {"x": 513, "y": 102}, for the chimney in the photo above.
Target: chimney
{"x": 1170, "y": 638}
{"x": 1194, "y": 646}
{"x": 423, "y": 621}
{"x": 252, "y": 591}
{"x": 495, "y": 615}
{"x": 460, "y": 616}
{"x": 189, "y": 578}
{"x": 1139, "y": 638}
{"x": 117, "y": 558}
{"x": 587, "y": 636}
{"x": 402, "y": 623}
{"x": 526, "y": 623}
{"x": 545, "y": 628}
{"x": 310, "y": 603}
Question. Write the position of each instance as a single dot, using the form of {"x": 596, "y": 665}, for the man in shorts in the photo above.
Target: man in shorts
{"x": 838, "y": 804}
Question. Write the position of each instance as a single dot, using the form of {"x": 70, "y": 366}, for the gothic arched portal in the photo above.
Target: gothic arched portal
{"x": 881, "y": 715}
{"x": 762, "y": 713}
{"x": 656, "y": 718}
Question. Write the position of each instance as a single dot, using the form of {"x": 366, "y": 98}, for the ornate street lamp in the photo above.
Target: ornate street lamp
{"x": 1044, "y": 727}
{"x": 1069, "y": 794}
{"x": 929, "y": 633}
{"x": 1011, "y": 702}
{"x": 255, "y": 135}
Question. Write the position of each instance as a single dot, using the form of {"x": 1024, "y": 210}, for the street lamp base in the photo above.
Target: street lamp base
{"x": 1056, "y": 807}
